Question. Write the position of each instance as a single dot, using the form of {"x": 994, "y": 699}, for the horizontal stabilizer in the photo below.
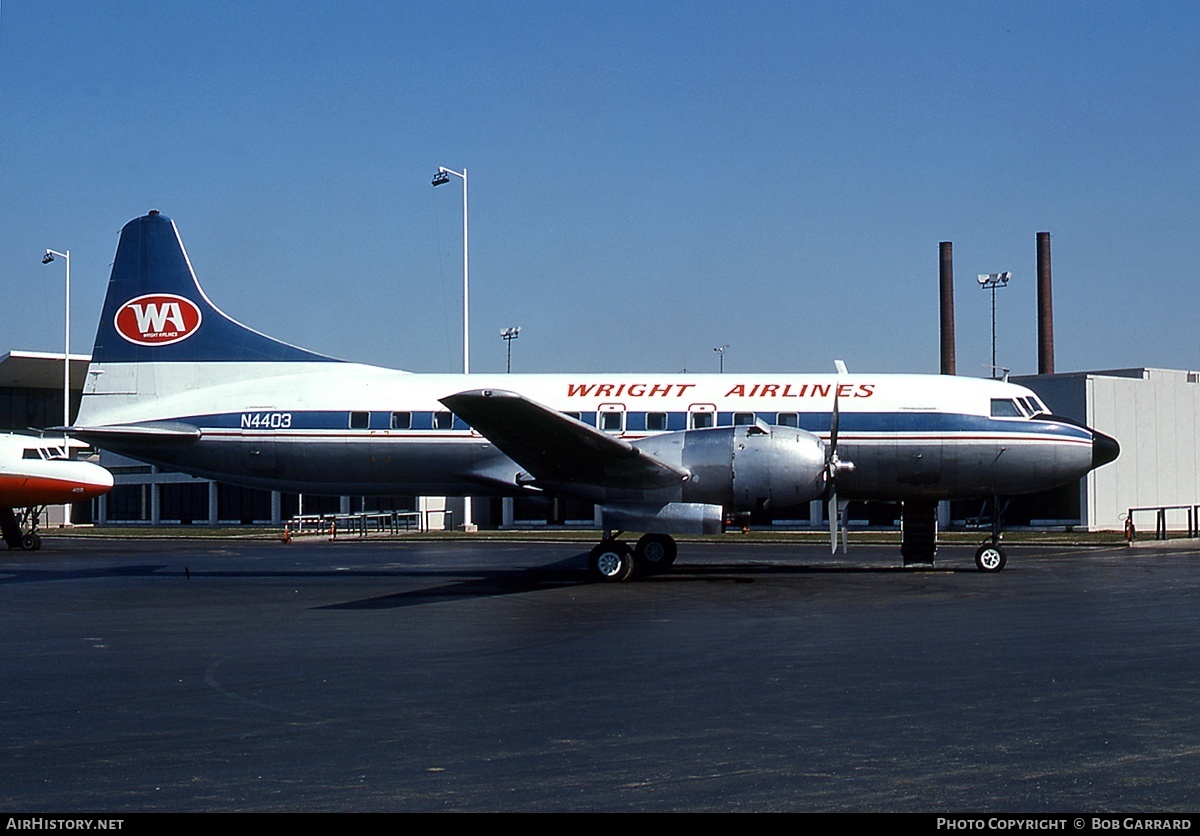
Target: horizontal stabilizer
{"x": 555, "y": 448}
{"x": 165, "y": 432}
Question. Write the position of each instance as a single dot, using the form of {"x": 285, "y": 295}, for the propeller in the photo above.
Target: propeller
{"x": 834, "y": 466}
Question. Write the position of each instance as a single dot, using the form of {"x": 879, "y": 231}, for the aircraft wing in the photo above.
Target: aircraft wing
{"x": 555, "y": 448}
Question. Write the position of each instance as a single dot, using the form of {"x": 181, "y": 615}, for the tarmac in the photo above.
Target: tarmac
{"x": 219, "y": 675}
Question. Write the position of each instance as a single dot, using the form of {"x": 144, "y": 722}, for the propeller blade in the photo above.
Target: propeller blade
{"x": 833, "y": 466}
{"x": 833, "y": 429}
{"x": 833, "y": 522}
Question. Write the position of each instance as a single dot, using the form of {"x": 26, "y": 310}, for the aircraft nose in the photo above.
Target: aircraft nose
{"x": 1104, "y": 449}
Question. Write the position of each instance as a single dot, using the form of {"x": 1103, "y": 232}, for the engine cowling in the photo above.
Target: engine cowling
{"x": 745, "y": 468}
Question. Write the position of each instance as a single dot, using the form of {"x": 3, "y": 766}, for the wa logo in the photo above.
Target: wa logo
{"x": 157, "y": 319}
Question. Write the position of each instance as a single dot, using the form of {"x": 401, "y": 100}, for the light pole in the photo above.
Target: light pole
{"x": 508, "y": 335}
{"x": 442, "y": 177}
{"x": 46, "y": 259}
{"x": 721, "y": 353}
{"x": 991, "y": 281}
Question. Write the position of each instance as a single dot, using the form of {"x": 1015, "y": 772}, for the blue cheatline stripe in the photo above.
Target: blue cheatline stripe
{"x": 882, "y": 424}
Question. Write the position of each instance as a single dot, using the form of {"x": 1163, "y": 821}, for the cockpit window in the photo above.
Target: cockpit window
{"x": 1005, "y": 408}
{"x": 44, "y": 453}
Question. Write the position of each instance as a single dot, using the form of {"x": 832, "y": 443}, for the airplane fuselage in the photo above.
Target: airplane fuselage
{"x": 343, "y": 428}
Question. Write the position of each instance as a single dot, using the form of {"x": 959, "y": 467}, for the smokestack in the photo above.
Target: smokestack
{"x": 946, "y": 252}
{"x": 1045, "y": 306}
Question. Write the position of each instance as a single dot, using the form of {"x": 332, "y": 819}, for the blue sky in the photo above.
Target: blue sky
{"x": 647, "y": 180}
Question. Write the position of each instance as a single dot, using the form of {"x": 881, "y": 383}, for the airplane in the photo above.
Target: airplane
{"x": 177, "y": 383}
{"x": 35, "y": 472}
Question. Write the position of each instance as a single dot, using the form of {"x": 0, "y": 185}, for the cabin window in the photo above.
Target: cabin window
{"x": 443, "y": 420}
{"x": 575, "y": 415}
{"x": 30, "y": 453}
{"x": 401, "y": 420}
{"x": 656, "y": 421}
{"x": 788, "y": 419}
{"x": 741, "y": 419}
{"x": 360, "y": 420}
{"x": 1005, "y": 408}
{"x": 702, "y": 420}
{"x": 611, "y": 422}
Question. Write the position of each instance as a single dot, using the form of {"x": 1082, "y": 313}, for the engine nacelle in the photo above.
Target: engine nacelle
{"x": 745, "y": 468}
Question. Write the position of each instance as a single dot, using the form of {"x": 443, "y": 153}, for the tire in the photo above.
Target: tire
{"x": 611, "y": 562}
{"x": 31, "y": 542}
{"x": 990, "y": 558}
{"x": 655, "y": 553}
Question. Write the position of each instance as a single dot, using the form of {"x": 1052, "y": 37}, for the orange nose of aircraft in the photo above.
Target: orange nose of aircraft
{"x": 52, "y": 482}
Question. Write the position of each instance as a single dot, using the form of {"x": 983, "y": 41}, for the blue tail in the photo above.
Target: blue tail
{"x": 156, "y": 312}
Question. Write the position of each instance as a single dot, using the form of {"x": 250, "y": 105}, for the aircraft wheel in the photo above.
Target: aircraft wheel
{"x": 655, "y": 553}
{"x": 31, "y": 542}
{"x": 990, "y": 558}
{"x": 611, "y": 562}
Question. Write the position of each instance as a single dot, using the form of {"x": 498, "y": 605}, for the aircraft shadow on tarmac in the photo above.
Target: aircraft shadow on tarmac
{"x": 466, "y": 584}
{"x": 572, "y": 571}
{"x": 14, "y": 576}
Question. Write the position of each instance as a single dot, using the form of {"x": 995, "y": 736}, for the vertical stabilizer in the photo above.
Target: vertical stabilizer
{"x": 156, "y": 312}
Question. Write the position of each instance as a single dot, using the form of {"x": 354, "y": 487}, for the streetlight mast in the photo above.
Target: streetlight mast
{"x": 508, "y": 335}
{"x": 721, "y": 354}
{"x": 442, "y": 177}
{"x": 991, "y": 281}
{"x": 46, "y": 259}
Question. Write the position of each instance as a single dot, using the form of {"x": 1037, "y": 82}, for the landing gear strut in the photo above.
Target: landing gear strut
{"x": 991, "y": 557}
{"x": 15, "y": 530}
{"x": 613, "y": 561}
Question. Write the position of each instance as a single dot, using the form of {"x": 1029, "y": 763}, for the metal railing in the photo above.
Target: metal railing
{"x": 354, "y": 525}
{"x": 1160, "y": 520}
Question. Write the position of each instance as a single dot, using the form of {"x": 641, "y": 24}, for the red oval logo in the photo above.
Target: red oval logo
{"x": 157, "y": 319}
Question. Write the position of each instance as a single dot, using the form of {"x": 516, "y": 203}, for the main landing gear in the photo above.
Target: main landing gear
{"x": 21, "y": 533}
{"x": 614, "y": 561}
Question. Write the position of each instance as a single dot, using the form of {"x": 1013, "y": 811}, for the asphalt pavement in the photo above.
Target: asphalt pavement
{"x": 191, "y": 675}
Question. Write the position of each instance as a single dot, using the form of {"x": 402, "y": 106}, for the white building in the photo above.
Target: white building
{"x": 1155, "y": 416}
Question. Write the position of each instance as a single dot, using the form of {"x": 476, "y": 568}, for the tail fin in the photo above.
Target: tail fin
{"x": 156, "y": 312}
